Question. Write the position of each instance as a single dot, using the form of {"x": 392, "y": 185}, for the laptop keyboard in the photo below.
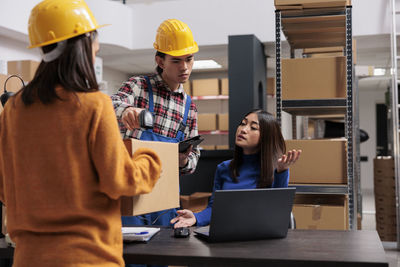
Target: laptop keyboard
{"x": 203, "y": 230}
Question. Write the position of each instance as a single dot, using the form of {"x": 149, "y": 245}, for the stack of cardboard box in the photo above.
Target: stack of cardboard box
{"x": 385, "y": 198}
{"x": 213, "y": 111}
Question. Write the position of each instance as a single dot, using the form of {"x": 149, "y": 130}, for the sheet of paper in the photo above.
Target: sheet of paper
{"x": 138, "y": 233}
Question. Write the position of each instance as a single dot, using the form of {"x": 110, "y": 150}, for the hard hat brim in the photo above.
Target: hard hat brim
{"x": 177, "y": 53}
{"x": 67, "y": 37}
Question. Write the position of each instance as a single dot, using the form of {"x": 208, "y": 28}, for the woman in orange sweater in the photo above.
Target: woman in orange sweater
{"x": 63, "y": 165}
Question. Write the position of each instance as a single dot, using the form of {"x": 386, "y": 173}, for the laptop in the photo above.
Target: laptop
{"x": 249, "y": 214}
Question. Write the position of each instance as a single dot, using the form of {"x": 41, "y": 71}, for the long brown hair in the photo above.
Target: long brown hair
{"x": 272, "y": 146}
{"x": 73, "y": 70}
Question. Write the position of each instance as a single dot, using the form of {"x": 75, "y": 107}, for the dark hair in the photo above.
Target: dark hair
{"x": 161, "y": 55}
{"x": 272, "y": 146}
{"x": 73, "y": 70}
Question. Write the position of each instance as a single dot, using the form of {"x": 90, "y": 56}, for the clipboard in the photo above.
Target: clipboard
{"x": 195, "y": 141}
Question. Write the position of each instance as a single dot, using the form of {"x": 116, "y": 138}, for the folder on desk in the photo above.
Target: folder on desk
{"x": 141, "y": 234}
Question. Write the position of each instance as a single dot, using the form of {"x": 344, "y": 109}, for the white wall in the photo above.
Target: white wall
{"x": 114, "y": 79}
{"x": 14, "y": 19}
{"x": 16, "y": 50}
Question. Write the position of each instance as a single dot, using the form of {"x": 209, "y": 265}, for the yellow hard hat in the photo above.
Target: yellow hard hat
{"x": 52, "y": 21}
{"x": 175, "y": 38}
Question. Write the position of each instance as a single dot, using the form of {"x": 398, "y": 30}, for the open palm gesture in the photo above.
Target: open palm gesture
{"x": 286, "y": 160}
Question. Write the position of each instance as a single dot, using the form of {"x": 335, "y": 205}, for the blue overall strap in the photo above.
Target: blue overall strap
{"x": 150, "y": 88}
{"x": 182, "y": 126}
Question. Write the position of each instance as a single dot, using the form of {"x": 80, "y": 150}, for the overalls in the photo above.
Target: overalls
{"x": 160, "y": 217}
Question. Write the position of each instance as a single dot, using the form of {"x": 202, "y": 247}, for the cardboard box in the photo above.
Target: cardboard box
{"x": 225, "y": 86}
{"x": 271, "y": 86}
{"x": 314, "y": 78}
{"x": 207, "y": 147}
{"x": 195, "y": 202}
{"x": 322, "y": 161}
{"x": 24, "y": 68}
{"x": 205, "y": 87}
{"x": 187, "y": 86}
{"x": 324, "y": 212}
{"x": 223, "y": 122}
{"x": 222, "y": 147}
{"x": 165, "y": 194}
{"x": 330, "y": 51}
{"x": 311, "y": 3}
{"x": 207, "y": 121}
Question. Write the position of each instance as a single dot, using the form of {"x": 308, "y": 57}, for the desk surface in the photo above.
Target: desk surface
{"x": 299, "y": 248}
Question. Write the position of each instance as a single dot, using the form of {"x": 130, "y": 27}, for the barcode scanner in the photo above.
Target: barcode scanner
{"x": 6, "y": 95}
{"x": 146, "y": 119}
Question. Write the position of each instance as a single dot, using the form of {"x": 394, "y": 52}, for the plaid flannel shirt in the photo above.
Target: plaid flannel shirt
{"x": 169, "y": 108}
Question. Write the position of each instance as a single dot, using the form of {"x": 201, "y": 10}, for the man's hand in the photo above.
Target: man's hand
{"x": 130, "y": 118}
{"x": 183, "y": 157}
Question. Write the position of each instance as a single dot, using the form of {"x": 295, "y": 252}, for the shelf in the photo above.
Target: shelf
{"x": 210, "y": 97}
{"x": 304, "y": 29}
{"x": 320, "y": 188}
{"x": 331, "y": 117}
{"x": 214, "y": 132}
{"x": 315, "y": 107}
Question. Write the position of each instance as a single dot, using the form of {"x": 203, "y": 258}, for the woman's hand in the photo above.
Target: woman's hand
{"x": 185, "y": 218}
{"x": 286, "y": 160}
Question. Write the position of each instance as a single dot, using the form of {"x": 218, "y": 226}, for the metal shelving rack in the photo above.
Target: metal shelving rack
{"x": 334, "y": 28}
{"x": 395, "y": 108}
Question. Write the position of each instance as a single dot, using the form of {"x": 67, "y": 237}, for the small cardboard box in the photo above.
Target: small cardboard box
{"x": 187, "y": 86}
{"x": 322, "y": 161}
{"x": 225, "y": 86}
{"x": 24, "y": 68}
{"x": 222, "y": 147}
{"x": 207, "y": 121}
{"x": 325, "y": 212}
{"x": 205, "y": 87}
{"x": 271, "y": 86}
{"x": 314, "y": 78}
{"x": 195, "y": 202}
{"x": 207, "y": 147}
{"x": 165, "y": 194}
{"x": 223, "y": 122}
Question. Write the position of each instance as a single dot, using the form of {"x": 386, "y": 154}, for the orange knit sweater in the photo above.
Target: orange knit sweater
{"x": 63, "y": 168}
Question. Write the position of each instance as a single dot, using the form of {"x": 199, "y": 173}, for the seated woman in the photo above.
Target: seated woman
{"x": 259, "y": 161}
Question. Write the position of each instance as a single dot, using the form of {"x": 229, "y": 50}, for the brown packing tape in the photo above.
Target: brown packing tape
{"x": 316, "y": 213}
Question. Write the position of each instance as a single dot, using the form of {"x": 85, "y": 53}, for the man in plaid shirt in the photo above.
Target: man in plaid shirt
{"x": 162, "y": 93}
{"x": 169, "y": 107}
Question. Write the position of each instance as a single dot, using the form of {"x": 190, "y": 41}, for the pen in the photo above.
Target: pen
{"x": 142, "y": 233}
